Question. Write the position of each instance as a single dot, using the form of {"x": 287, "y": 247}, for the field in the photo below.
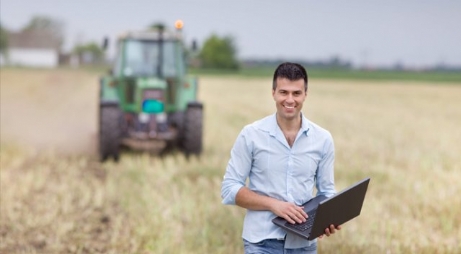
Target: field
{"x": 57, "y": 198}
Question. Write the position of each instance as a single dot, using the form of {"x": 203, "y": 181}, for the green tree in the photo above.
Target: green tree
{"x": 89, "y": 53}
{"x": 3, "y": 40}
{"x": 219, "y": 53}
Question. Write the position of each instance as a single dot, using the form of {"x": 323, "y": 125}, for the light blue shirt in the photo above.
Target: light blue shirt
{"x": 262, "y": 154}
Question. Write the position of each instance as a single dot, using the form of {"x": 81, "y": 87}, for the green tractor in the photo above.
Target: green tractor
{"x": 147, "y": 101}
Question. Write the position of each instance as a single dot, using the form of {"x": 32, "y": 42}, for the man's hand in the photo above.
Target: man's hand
{"x": 289, "y": 211}
{"x": 251, "y": 200}
{"x": 331, "y": 230}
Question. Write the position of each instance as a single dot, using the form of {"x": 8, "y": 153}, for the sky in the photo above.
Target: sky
{"x": 415, "y": 33}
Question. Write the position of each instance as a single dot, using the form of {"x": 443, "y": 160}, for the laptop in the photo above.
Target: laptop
{"x": 323, "y": 211}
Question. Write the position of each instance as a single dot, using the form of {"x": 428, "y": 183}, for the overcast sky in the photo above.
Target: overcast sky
{"x": 415, "y": 33}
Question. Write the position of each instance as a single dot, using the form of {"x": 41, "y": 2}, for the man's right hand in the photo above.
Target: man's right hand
{"x": 249, "y": 199}
{"x": 289, "y": 211}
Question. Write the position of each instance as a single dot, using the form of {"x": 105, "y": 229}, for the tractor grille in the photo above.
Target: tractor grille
{"x": 153, "y": 94}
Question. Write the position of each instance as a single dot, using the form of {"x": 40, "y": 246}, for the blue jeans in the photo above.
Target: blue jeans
{"x": 274, "y": 246}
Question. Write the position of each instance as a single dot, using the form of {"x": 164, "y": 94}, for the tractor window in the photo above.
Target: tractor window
{"x": 169, "y": 68}
{"x": 142, "y": 58}
{"x": 118, "y": 61}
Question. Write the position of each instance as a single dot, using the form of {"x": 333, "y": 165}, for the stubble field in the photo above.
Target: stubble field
{"x": 57, "y": 198}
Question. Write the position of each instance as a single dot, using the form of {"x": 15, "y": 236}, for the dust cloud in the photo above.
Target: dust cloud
{"x": 49, "y": 110}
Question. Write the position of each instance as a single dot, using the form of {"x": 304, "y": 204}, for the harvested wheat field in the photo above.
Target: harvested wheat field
{"x": 57, "y": 198}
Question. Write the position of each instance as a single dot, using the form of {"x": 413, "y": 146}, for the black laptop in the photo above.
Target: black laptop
{"x": 323, "y": 211}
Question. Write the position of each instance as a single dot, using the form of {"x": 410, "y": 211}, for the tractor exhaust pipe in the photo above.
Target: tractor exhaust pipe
{"x": 160, "y": 53}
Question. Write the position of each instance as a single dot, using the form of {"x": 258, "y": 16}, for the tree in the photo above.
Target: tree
{"x": 47, "y": 26}
{"x": 89, "y": 53}
{"x": 219, "y": 53}
{"x": 3, "y": 40}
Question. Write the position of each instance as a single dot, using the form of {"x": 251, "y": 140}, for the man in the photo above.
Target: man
{"x": 283, "y": 155}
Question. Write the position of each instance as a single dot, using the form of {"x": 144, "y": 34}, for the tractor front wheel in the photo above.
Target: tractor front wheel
{"x": 193, "y": 129}
{"x": 109, "y": 132}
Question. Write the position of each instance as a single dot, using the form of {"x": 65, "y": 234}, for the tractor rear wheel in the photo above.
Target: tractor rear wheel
{"x": 193, "y": 129}
{"x": 109, "y": 132}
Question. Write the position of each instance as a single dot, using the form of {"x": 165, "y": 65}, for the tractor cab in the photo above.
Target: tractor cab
{"x": 147, "y": 54}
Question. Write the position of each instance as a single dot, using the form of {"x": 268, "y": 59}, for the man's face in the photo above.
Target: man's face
{"x": 289, "y": 97}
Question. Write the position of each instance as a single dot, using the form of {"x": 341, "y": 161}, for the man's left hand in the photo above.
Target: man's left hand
{"x": 331, "y": 230}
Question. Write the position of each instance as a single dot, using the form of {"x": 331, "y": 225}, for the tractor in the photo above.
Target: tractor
{"x": 147, "y": 101}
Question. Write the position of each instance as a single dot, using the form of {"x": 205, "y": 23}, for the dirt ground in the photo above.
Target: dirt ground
{"x": 49, "y": 110}
{"x": 49, "y": 205}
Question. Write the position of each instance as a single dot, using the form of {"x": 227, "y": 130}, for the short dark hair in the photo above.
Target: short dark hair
{"x": 290, "y": 71}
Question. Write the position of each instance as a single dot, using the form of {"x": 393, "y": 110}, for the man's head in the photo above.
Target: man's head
{"x": 289, "y": 90}
{"x": 290, "y": 71}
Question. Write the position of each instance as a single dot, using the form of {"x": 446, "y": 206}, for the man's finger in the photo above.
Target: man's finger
{"x": 298, "y": 218}
{"x": 303, "y": 212}
{"x": 288, "y": 218}
{"x": 332, "y": 229}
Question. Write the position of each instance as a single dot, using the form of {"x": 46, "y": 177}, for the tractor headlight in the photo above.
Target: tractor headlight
{"x": 153, "y": 106}
{"x": 161, "y": 118}
{"x": 143, "y": 117}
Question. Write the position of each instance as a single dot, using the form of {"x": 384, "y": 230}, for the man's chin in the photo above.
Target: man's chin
{"x": 289, "y": 115}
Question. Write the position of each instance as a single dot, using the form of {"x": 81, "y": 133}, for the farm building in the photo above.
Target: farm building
{"x": 33, "y": 49}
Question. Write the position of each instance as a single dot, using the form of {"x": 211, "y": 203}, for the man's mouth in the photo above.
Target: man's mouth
{"x": 289, "y": 107}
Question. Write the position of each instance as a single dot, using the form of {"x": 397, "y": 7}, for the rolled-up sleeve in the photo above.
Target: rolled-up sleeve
{"x": 237, "y": 170}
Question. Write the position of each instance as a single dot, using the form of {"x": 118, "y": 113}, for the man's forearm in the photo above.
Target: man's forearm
{"x": 251, "y": 200}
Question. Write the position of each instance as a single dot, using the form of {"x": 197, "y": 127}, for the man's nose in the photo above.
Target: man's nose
{"x": 290, "y": 98}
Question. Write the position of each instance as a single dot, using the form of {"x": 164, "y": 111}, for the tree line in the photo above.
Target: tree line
{"x": 217, "y": 52}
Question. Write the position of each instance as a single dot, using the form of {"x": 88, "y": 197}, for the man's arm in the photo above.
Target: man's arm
{"x": 251, "y": 200}
{"x": 325, "y": 178}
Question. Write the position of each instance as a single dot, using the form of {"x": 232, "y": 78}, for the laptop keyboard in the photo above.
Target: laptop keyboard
{"x": 305, "y": 225}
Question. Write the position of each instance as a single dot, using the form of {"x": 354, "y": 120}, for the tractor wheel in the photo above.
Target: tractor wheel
{"x": 193, "y": 130}
{"x": 109, "y": 132}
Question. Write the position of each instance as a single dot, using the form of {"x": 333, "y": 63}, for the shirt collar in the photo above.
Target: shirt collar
{"x": 272, "y": 125}
{"x": 304, "y": 124}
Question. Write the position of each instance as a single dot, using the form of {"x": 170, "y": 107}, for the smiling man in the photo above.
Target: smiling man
{"x": 284, "y": 156}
